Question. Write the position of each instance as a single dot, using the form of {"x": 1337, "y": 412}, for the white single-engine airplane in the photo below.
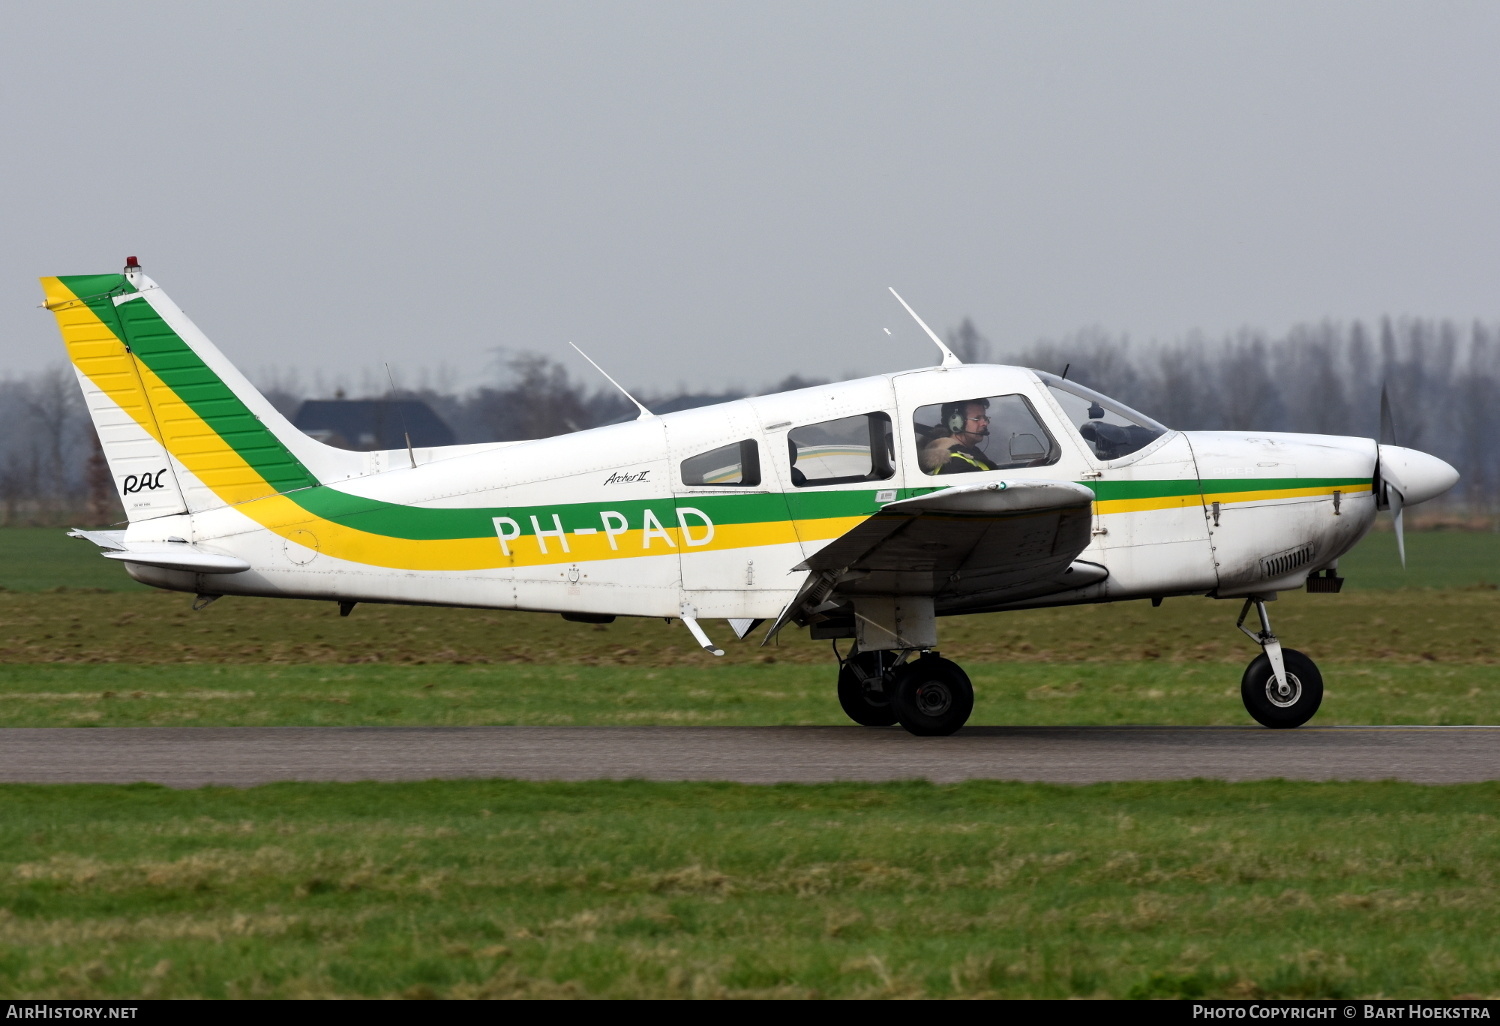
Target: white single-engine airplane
{"x": 862, "y": 510}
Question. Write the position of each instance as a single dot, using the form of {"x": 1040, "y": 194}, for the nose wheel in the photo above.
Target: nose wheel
{"x": 1281, "y": 687}
{"x": 1289, "y": 702}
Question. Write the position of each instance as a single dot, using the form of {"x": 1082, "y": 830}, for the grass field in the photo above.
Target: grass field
{"x": 112, "y": 659}
{"x": 114, "y": 695}
{"x": 632, "y": 889}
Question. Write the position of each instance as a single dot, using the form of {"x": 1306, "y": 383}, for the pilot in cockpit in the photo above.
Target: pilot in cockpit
{"x": 965, "y": 425}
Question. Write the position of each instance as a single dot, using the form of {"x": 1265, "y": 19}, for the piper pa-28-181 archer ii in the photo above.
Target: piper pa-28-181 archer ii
{"x": 862, "y": 510}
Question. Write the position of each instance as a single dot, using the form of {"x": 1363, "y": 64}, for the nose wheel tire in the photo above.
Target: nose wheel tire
{"x": 1279, "y": 707}
{"x": 865, "y": 688}
{"x": 932, "y": 697}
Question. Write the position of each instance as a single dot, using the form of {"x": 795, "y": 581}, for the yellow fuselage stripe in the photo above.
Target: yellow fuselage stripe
{"x": 1108, "y": 506}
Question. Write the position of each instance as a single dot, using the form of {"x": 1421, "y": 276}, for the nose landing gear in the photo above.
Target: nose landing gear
{"x": 1281, "y": 687}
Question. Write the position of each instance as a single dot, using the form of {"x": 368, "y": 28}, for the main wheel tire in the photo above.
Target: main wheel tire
{"x": 865, "y": 688}
{"x": 1270, "y": 707}
{"x": 932, "y": 697}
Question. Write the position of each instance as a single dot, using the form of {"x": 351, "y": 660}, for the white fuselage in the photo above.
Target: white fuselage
{"x": 601, "y": 521}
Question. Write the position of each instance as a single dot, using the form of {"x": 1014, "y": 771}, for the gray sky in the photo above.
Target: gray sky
{"x": 713, "y": 194}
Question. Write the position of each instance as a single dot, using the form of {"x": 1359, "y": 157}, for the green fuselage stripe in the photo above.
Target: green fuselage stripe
{"x": 417, "y": 522}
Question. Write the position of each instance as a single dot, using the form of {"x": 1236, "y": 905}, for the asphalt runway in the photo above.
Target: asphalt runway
{"x": 244, "y": 756}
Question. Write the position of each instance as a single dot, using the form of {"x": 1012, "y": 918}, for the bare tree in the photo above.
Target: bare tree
{"x": 968, "y": 344}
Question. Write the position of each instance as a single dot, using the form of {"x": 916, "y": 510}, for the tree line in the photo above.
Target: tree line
{"x": 1442, "y": 378}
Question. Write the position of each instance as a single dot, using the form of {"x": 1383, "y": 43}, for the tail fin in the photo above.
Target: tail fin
{"x": 182, "y": 430}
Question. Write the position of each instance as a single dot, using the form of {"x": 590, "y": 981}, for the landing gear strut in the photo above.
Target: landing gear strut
{"x": 1281, "y": 687}
{"x": 930, "y": 696}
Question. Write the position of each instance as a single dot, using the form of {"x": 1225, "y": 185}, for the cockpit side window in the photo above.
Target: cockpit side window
{"x": 729, "y": 466}
{"x": 1110, "y": 428}
{"x": 998, "y": 432}
{"x": 840, "y": 451}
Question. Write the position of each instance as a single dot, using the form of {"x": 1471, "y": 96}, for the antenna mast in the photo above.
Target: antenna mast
{"x": 645, "y": 413}
{"x": 397, "y": 403}
{"x": 949, "y": 360}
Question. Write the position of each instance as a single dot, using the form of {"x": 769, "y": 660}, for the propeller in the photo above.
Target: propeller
{"x": 1395, "y": 491}
{"x": 1387, "y": 422}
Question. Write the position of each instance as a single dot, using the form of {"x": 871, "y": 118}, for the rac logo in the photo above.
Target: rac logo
{"x": 147, "y": 482}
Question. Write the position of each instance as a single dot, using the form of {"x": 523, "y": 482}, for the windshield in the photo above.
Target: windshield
{"x": 1111, "y": 429}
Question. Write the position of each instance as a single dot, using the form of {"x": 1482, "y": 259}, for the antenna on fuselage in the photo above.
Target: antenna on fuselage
{"x": 400, "y": 413}
{"x": 949, "y": 360}
{"x": 645, "y": 413}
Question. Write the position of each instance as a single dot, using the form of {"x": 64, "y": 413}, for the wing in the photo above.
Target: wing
{"x": 968, "y": 547}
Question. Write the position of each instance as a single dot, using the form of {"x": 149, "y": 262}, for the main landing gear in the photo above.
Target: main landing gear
{"x": 1281, "y": 686}
{"x": 930, "y": 696}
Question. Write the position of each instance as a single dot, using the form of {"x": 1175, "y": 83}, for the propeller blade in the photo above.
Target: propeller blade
{"x": 1396, "y": 515}
{"x": 1387, "y": 422}
{"x": 1390, "y": 492}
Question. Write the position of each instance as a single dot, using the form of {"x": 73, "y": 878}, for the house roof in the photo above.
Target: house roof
{"x": 367, "y": 425}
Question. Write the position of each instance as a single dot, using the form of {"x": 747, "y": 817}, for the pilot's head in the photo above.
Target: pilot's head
{"x": 967, "y": 421}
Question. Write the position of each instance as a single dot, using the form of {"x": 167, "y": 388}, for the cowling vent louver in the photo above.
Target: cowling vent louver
{"x": 1285, "y": 562}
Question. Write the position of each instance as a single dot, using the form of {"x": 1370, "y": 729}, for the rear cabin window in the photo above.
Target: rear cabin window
{"x": 728, "y": 466}
{"x": 998, "y": 432}
{"x": 841, "y": 451}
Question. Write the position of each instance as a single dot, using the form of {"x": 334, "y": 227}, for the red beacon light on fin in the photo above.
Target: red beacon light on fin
{"x": 132, "y": 264}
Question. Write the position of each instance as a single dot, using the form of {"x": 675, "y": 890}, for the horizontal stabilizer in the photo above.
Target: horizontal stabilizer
{"x": 103, "y": 539}
{"x": 180, "y": 556}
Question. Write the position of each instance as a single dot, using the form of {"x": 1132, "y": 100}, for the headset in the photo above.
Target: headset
{"x": 955, "y": 415}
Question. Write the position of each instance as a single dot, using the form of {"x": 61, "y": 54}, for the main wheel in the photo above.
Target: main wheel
{"x": 865, "y": 688}
{"x": 932, "y": 697}
{"x": 1273, "y": 707}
